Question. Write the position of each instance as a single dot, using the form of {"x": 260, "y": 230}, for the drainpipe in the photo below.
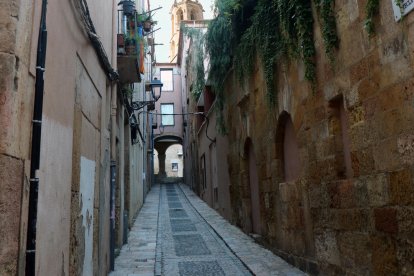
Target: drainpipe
{"x": 35, "y": 150}
{"x": 113, "y": 175}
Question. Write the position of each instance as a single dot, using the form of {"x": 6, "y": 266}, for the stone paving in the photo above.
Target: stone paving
{"x": 176, "y": 233}
{"x": 137, "y": 257}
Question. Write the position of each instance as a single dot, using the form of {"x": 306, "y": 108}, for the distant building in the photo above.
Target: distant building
{"x": 173, "y": 161}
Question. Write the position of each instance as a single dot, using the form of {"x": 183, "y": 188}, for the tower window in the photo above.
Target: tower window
{"x": 180, "y": 15}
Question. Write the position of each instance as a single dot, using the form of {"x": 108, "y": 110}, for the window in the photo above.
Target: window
{"x": 203, "y": 172}
{"x": 174, "y": 167}
{"x": 167, "y": 120}
{"x": 167, "y": 79}
{"x": 339, "y": 126}
{"x": 290, "y": 152}
{"x": 180, "y": 15}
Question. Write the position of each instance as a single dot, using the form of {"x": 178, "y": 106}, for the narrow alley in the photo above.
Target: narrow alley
{"x": 206, "y": 137}
{"x": 176, "y": 233}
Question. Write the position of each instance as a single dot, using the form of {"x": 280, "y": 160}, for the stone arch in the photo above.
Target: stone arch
{"x": 180, "y": 15}
{"x": 287, "y": 149}
{"x": 193, "y": 15}
{"x": 161, "y": 144}
{"x": 174, "y": 160}
{"x": 253, "y": 188}
{"x": 292, "y": 207}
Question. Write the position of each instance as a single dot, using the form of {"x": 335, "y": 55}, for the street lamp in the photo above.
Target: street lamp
{"x": 155, "y": 86}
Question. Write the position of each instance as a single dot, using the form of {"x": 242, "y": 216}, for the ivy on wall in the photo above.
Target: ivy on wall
{"x": 328, "y": 26}
{"x": 195, "y": 62}
{"x": 371, "y": 10}
{"x": 269, "y": 30}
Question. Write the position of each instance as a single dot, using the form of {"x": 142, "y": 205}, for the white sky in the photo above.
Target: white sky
{"x": 163, "y": 17}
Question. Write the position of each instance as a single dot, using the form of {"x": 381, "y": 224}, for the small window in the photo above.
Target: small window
{"x": 339, "y": 125}
{"x": 167, "y": 78}
{"x": 290, "y": 152}
{"x": 180, "y": 15}
{"x": 167, "y": 120}
{"x": 203, "y": 172}
{"x": 174, "y": 167}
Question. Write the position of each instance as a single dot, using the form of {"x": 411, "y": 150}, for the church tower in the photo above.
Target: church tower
{"x": 184, "y": 10}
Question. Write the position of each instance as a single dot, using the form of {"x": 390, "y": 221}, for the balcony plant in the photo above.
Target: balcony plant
{"x": 130, "y": 45}
{"x": 147, "y": 24}
{"x": 128, "y": 7}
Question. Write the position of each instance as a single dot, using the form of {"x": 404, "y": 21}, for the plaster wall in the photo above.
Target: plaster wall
{"x": 170, "y": 97}
{"x": 73, "y": 78}
{"x": 216, "y": 170}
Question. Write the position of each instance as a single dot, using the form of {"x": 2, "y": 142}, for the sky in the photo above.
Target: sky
{"x": 163, "y": 17}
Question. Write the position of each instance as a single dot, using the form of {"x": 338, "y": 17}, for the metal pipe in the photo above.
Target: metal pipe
{"x": 113, "y": 156}
{"x": 112, "y": 217}
{"x": 35, "y": 147}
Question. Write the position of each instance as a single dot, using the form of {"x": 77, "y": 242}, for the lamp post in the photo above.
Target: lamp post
{"x": 155, "y": 86}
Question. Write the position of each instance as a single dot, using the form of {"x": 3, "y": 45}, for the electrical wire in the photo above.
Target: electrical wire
{"x": 83, "y": 9}
{"x": 187, "y": 113}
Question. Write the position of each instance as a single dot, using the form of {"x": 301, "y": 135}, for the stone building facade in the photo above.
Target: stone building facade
{"x": 173, "y": 161}
{"x": 184, "y": 10}
{"x": 325, "y": 177}
{"x": 334, "y": 165}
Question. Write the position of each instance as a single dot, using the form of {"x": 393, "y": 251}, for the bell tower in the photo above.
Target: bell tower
{"x": 184, "y": 10}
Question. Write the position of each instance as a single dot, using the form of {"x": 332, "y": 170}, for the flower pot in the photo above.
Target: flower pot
{"x": 130, "y": 50}
{"x": 128, "y": 7}
{"x": 147, "y": 26}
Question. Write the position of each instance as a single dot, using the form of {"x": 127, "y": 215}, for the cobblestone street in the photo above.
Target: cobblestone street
{"x": 178, "y": 234}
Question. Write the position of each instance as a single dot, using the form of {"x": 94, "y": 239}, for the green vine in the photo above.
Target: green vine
{"x": 195, "y": 62}
{"x": 219, "y": 39}
{"x": 371, "y": 10}
{"x": 260, "y": 38}
{"x": 328, "y": 26}
{"x": 246, "y": 31}
{"x": 304, "y": 29}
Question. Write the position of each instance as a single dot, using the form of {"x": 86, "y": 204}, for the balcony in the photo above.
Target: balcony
{"x": 130, "y": 43}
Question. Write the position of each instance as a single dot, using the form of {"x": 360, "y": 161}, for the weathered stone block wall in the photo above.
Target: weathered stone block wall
{"x": 339, "y": 217}
{"x": 16, "y": 100}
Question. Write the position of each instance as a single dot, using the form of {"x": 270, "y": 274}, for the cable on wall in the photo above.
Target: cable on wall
{"x": 83, "y": 9}
{"x": 188, "y": 113}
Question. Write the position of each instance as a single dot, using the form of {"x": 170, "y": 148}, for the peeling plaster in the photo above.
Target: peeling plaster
{"x": 87, "y": 187}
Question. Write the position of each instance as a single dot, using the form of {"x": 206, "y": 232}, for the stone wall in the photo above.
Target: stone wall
{"x": 351, "y": 209}
{"x": 16, "y": 101}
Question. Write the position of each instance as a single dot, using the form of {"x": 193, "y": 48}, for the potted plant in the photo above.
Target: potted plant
{"x": 130, "y": 46}
{"x": 128, "y": 7}
{"x": 147, "y": 24}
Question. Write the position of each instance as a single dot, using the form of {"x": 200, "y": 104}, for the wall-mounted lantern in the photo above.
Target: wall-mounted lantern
{"x": 155, "y": 86}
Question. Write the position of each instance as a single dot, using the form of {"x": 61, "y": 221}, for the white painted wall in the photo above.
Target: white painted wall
{"x": 86, "y": 189}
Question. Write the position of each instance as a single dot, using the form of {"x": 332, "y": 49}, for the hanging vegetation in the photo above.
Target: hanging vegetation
{"x": 371, "y": 10}
{"x": 328, "y": 26}
{"x": 196, "y": 61}
{"x": 268, "y": 30}
{"x": 260, "y": 38}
